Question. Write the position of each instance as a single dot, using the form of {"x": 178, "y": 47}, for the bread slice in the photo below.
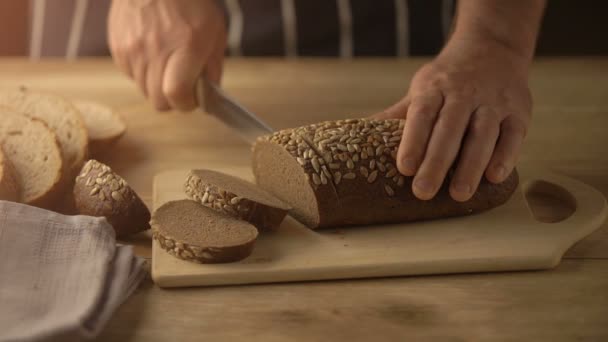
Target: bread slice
{"x": 99, "y": 191}
{"x": 60, "y": 116}
{"x": 339, "y": 173}
{"x": 32, "y": 149}
{"x": 104, "y": 125}
{"x": 9, "y": 189}
{"x": 236, "y": 197}
{"x": 193, "y": 232}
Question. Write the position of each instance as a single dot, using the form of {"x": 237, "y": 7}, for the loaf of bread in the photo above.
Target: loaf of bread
{"x": 99, "y": 191}
{"x": 236, "y": 197}
{"x": 32, "y": 149}
{"x": 61, "y": 117}
{"x": 339, "y": 173}
{"x": 9, "y": 189}
{"x": 193, "y": 232}
{"x": 104, "y": 125}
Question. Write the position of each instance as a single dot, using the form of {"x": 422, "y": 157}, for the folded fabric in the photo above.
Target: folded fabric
{"x": 60, "y": 275}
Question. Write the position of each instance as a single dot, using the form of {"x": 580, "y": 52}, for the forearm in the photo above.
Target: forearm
{"x": 514, "y": 24}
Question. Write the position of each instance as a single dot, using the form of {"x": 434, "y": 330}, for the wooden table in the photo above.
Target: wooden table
{"x": 569, "y": 134}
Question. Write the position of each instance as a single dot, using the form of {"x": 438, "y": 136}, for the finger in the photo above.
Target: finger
{"x": 443, "y": 147}
{"x": 119, "y": 56}
{"x": 183, "y": 69}
{"x": 215, "y": 64}
{"x": 154, "y": 83}
{"x": 420, "y": 119}
{"x": 398, "y": 110}
{"x": 512, "y": 135}
{"x": 476, "y": 152}
{"x": 139, "y": 67}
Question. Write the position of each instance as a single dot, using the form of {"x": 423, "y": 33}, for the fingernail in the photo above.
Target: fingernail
{"x": 462, "y": 188}
{"x": 409, "y": 165}
{"x": 500, "y": 171}
{"x": 424, "y": 186}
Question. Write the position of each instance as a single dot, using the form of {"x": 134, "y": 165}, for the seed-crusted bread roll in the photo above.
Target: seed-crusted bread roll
{"x": 193, "y": 232}
{"x": 236, "y": 197}
{"x": 32, "y": 149}
{"x": 61, "y": 117}
{"x": 99, "y": 191}
{"x": 339, "y": 173}
{"x": 9, "y": 189}
{"x": 104, "y": 125}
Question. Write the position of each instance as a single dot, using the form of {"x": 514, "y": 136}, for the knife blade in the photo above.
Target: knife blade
{"x": 213, "y": 100}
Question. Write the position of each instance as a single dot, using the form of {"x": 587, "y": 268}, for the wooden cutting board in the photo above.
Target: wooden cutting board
{"x": 507, "y": 238}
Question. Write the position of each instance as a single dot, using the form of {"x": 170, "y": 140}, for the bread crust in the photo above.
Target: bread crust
{"x": 198, "y": 253}
{"x": 55, "y": 189}
{"x": 100, "y": 144}
{"x": 73, "y": 145}
{"x": 99, "y": 191}
{"x": 374, "y": 191}
{"x": 262, "y": 216}
{"x": 9, "y": 188}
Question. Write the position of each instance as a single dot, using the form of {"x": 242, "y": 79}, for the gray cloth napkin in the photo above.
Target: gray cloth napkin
{"x": 60, "y": 275}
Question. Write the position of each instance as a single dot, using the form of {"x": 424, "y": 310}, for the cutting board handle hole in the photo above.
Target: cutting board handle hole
{"x": 548, "y": 202}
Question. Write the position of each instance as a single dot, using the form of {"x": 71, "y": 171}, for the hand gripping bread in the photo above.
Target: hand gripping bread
{"x": 99, "y": 191}
{"x": 60, "y": 116}
{"x": 32, "y": 149}
{"x": 236, "y": 197}
{"x": 338, "y": 173}
{"x": 104, "y": 125}
{"x": 193, "y": 232}
{"x": 9, "y": 189}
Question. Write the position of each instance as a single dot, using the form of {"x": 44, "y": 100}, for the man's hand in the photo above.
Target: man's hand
{"x": 474, "y": 95}
{"x": 471, "y": 106}
{"x": 165, "y": 45}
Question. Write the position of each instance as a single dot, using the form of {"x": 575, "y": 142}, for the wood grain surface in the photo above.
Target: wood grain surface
{"x": 568, "y": 135}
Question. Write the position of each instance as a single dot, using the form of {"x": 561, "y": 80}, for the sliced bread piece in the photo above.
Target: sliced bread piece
{"x": 60, "y": 116}
{"x": 104, "y": 125}
{"x": 9, "y": 189}
{"x": 193, "y": 232}
{"x": 236, "y": 197}
{"x": 99, "y": 191}
{"x": 32, "y": 149}
{"x": 339, "y": 173}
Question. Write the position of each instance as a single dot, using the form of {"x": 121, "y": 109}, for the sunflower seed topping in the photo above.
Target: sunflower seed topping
{"x": 372, "y": 176}
{"x": 349, "y": 164}
{"x": 117, "y": 196}
{"x": 400, "y": 181}
{"x": 315, "y": 164}
{"x": 364, "y": 171}
{"x": 316, "y": 179}
{"x": 350, "y": 175}
{"x": 337, "y": 177}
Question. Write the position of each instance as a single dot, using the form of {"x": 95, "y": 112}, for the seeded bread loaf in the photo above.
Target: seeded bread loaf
{"x": 32, "y": 149}
{"x": 338, "y": 173}
{"x": 9, "y": 189}
{"x": 236, "y": 197}
{"x": 101, "y": 192}
{"x": 61, "y": 117}
{"x": 104, "y": 125}
{"x": 193, "y": 232}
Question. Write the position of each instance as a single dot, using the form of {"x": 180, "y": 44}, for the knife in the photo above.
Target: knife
{"x": 213, "y": 100}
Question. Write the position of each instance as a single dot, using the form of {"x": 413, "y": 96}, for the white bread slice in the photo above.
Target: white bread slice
{"x": 9, "y": 189}
{"x": 32, "y": 149}
{"x": 60, "y": 116}
{"x": 104, "y": 125}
